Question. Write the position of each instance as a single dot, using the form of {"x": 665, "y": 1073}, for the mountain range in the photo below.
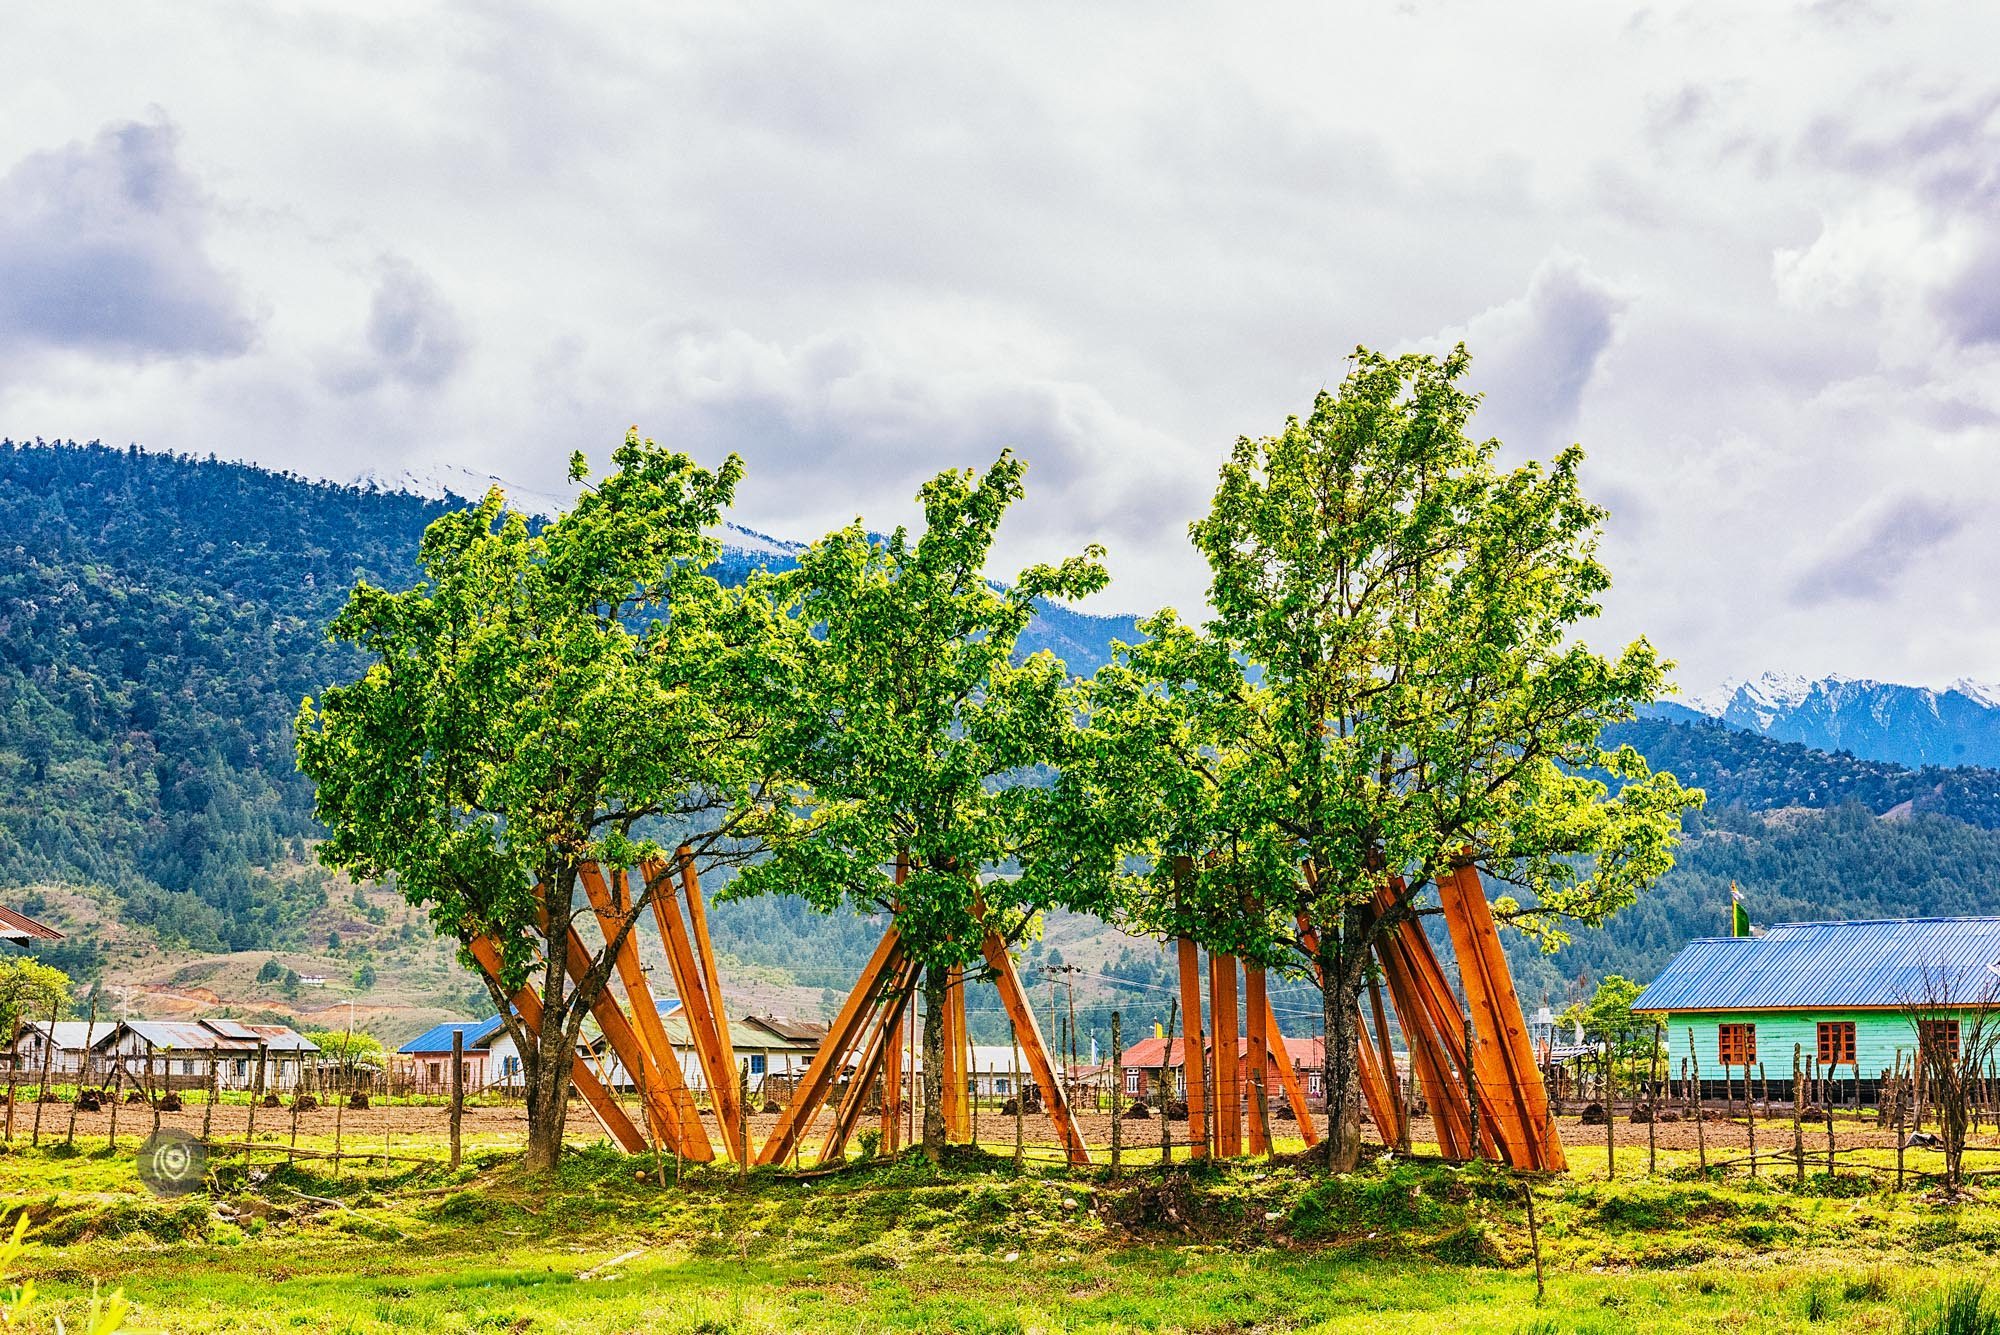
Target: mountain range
{"x": 161, "y": 616}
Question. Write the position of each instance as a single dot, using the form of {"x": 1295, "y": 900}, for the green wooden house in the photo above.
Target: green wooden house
{"x": 1834, "y": 994}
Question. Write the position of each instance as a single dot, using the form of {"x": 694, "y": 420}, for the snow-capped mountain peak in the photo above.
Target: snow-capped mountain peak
{"x": 447, "y": 481}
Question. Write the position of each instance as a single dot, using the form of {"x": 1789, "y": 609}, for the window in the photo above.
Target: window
{"x": 1131, "y": 1082}
{"x": 511, "y": 1065}
{"x": 435, "y": 1068}
{"x": 1836, "y": 1043}
{"x": 1932, "y": 1033}
{"x": 1736, "y": 1044}
{"x": 756, "y": 1063}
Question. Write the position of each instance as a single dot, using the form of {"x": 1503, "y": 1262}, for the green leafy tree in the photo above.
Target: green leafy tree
{"x": 348, "y": 1050}
{"x": 1388, "y": 685}
{"x": 908, "y": 732}
{"x": 528, "y": 704}
{"x": 30, "y": 990}
{"x": 271, "y": 972}
{"x": 1607, "y": 1018}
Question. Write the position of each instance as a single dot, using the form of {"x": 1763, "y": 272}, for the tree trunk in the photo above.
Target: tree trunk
{"x": 547, "y": 1070}
{"x": 1341, "y": 972}
{"x": 937, "y": 981}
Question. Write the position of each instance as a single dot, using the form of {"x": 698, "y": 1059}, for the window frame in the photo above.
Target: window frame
{"x": 1844, "y": 1051}
{"x": 1741, "y": 1053}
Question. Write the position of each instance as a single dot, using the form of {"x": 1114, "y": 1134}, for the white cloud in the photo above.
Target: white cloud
{"x": 860, "y": 246}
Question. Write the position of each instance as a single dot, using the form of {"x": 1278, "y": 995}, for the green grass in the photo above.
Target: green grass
{"x": 975, "y": 1246}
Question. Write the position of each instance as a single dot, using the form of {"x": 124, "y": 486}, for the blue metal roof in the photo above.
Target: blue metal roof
{"x": 438, "y": 1037}
{"x": 1882, "y": 963}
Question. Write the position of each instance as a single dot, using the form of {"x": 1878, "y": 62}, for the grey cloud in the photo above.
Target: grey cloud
{"x": 1533, "y": 358}
{"x": 1866, "y": 560}
{"x": 103, "y": 247}
{"x": 414, "y": 335}
{"x": 1969, "y": 306}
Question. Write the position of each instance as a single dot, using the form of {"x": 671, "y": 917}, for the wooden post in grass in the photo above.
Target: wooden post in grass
{"x": 1828, "y": 1108}
{"x": 1117, "y": 1095}
{"x": 1750, "y": 1108}
{"x": 1898, "y": 1096}
{"x": 1653, "y": 1105}
{"x": 214, "y": 1092}
{"x": 48, "y": 1063}
{"x": 13, "y": 1072}
{"x": 1020, "y": 1096}
{"x": 1798, "y": 1136}
{"x": 457, "y": 1093}
{"x": 1700, "y": 1122}
{"x": 117, "y": 1097}
{"x": 250, "y": 1127}
{"x": 1610, "y": 1112}
{"x": 83, "y": 1069}
{"x": 1167, "y": 1087}
{"x": 742, "y": 1118}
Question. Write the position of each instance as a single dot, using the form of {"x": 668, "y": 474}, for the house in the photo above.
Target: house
{"x": 20, "y": 929}
{"x": 1144, "y": 1060}
{"x": 63, "y": 1044}
{"x": 424, "y": 1063}
{"x": 1835, "y": 994}
{"x": 186, "y": 1054}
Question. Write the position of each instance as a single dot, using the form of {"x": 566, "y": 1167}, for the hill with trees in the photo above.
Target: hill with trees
{"x": 161, "y": 616}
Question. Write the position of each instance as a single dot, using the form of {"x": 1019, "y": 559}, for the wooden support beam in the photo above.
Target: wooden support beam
{"x": 1029, "y": 1034}
{"x": 1510, "y": 1083}
{"x": 1295, "y": 1093}
{"x": 1387, "y": 1052}
{"x": 1375, "y": 1085}
{"x": 957, "y": 1118}
{"x": 1228, "y": 1079}
{"x": 820, "y": 1077}
{"x": 1257, "y": 1053}
{"x": 528, "y": 1005}
{"x": 668, "y": 1103}
{"x": 614, "y": 907}
{"x": 718, "y": 1009}
{"x": 886, "y": 1021}
{"x": 718, "y": 1072}
{"x": 1194, "y": 1057}
{"x": 893, "y": 1064}
{"x": 1450, "y": 1113}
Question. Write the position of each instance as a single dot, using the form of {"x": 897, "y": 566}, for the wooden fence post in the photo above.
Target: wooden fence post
{"x": 1117, "y": 1095}
{"x": 13, "y": 1072}
{"x": 1700, "y": 1119}
{"x": 48, "y": 1061}
{"x": 457, "y": 1093}
{"x": 83, "y": 1069}
{"x": 1167, "y": 1088}
{"x": 1653, "y": 1104}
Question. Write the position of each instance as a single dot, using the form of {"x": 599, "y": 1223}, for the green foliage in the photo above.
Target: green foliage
{"x": 30, "y": 990}
{"x": 1607, "y": 1017}
{"x": 1962, "y": 1309}
{"x": 356, "y": 1049}
{"x": 159, "y": 618}
{"x": 1389, "y": 682}
{"x": 908, "y": 724}
{"x": 513, "y": 724}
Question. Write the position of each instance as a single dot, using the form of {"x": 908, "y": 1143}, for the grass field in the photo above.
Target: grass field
{"x": 978, "y": 1246}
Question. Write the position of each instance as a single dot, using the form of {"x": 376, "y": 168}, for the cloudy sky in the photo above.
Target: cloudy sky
{"x": 1748, "y": 255}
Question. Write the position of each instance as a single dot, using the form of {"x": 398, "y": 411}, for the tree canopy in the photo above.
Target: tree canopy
{"x": 535, "y": 698}
{"x": 1388, "y": 685}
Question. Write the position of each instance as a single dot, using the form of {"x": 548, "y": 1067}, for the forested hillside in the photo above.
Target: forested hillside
{"x": 161, "y": 616}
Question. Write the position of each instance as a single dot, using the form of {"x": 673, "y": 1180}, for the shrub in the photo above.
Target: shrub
{"x": 1962, "y": 1311}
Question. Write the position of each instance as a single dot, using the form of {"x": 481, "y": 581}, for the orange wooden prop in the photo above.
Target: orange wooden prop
{"x": 1510, "y": 1084}
{"x": 528, "y": 1005}
{"x": 1029, "y": 1035}
{"x": 698, "y": 1005}
{"x": 1194, "y": 1057}
{"x": 1256, "y": 1075}
{"x": 812, "y": 1091}
{"x": 1223, "y": 1029}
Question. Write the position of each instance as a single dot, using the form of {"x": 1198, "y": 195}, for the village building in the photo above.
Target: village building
{"x": 181, "y": 1054}
{"x": 771, "y": 1045}
{"x": 1838, "y": 996}
{"x": 1144, "y": 1061}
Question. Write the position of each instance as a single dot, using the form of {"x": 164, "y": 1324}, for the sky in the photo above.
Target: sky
{"x": 1748, "y": 256}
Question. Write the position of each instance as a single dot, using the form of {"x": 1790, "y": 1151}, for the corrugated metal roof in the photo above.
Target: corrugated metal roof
{"x": 231, "y": 1029}
{"x": 1825, "y": 965}
{"x": 438, "y": 1037}
{"x": 20, "y": 927}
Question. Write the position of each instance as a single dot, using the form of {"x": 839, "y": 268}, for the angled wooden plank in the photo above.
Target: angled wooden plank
{"x": 1295, "y": 1093}
{"x": 1450, "y": 1113}
{"x": 1257, "y": 1056}
{"x": 1029, "y": 1034}
{"x": 1194, "y": 1056}
{"x": 728, "y": 1100}
{"x": 1519, "y": 1094}
{"x": 717, "y": 1072}
{"x": 893, "y": 1065}
{"x": 886, "y": 1021}
{"x": 957, "y": 1110}
{"x": 1386, "y": 1053}
{"x": 811, "y": 1092}
{"x": 1223, "y": 1025}
{"x": 1448, "y": 1027}
{"x": 528, "y": 1005}
{"x": 1375, "y": 1085}
{"x": 666, "y": 1095}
